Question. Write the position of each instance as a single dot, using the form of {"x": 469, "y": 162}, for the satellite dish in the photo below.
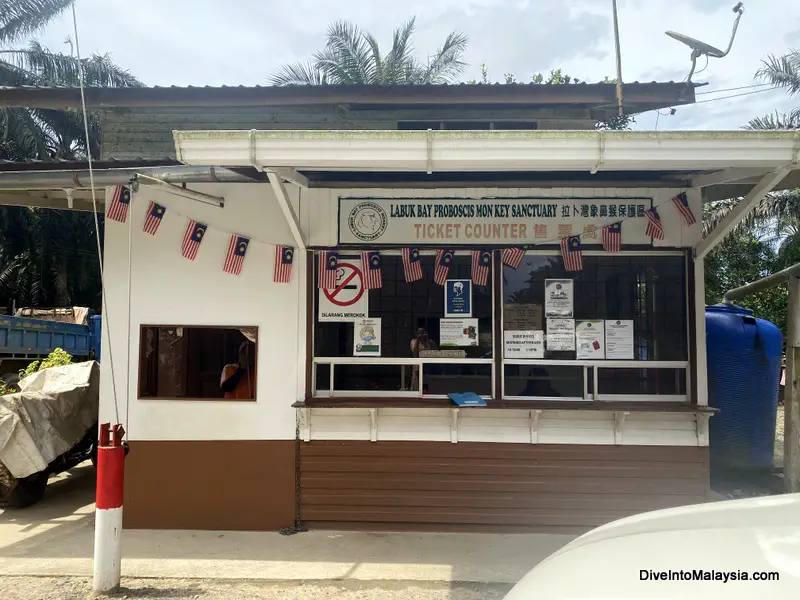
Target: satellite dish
{"x": 701, "y": 48}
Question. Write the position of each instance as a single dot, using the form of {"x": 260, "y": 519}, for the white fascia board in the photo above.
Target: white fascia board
{"x": 490, "y": 150}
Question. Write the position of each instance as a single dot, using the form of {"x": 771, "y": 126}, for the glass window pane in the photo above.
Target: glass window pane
{"x": 543, "y": 380}
{"x": 670, "y": 382}
{"x": 448, "y": 378}
{"x": 323, "y": 382}
{"x": 375, "y": 378}
{"x": 650, "y": 290}
{"x": 198, "y": 362}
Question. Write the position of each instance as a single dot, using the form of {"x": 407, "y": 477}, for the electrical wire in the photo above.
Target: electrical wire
{"x": 96, "y": 218}
{"x": 738, "y": 95}
{"x": 733, "y": 89}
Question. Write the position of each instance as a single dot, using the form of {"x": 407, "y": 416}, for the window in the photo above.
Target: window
{"x": 648, "y": 291}
{"x": 197, "y": 362}
{"x": 404, "y": 309}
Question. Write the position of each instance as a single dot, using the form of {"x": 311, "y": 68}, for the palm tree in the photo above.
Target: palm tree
{"x": 353, "y": 56}
{"x": 784, "y": 72}
{"x": 22, "y": 18}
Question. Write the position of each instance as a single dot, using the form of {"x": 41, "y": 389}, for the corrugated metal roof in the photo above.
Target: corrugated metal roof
{"x": 637, "y": 95}
{"x": 59, "y": 164}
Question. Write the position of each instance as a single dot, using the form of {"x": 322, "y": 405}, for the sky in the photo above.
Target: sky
{"x": 242, "y": 42}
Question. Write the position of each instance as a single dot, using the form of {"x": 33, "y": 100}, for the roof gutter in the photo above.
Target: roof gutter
{"x": 46, "y": 180}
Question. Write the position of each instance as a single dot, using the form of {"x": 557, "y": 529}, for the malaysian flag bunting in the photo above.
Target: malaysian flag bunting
{"x": 191, "y": 240}
{"x": 328, "y": 265}
{"x": 481, "y": 261}
{"x": 681, "y": 202}
{"x": 283, "y": 264}
{"x": 412, "y": 267}
{"x": 654, "y": 228}
{"x": 120, "y": 200}
{"x": 371, "y": 263}
{"x": 612, "y": 237}
{"x": 571, "y": 253}
{"x": 512, "y": 257}
{"x": 444, "y": 258}
{"x": 154, "y": 215}
{"x": 234, "y": 260}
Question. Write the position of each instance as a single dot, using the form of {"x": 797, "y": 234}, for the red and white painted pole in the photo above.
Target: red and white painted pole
{"x": 108, "y": 511}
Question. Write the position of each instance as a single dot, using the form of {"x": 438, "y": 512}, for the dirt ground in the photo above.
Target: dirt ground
{"x": 74, "y": 588}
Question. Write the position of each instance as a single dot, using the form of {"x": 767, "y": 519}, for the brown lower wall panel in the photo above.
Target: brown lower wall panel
{"x": 492, "y": 487}
{"x": 218, "y": 485}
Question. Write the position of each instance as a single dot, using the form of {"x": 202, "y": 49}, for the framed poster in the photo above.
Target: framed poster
{"x": 458, "y": 332}
{"x": 522, "y": 317}
{"x": 367, "y": 337}
{"x": 349, "y": 300}
{"x": 558, "y": 298}
{"x": 458, "y": 298}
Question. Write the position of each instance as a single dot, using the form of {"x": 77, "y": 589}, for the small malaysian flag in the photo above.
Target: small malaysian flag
{"x": 612, "y": 237}
{"x": 571, "y": 253}
{"x": 191, "y": 240}
{"x": 154, "y": 215}
{"x": 481, "y": 261}
{"x": 512, "y": 257}
{"x": 681, "y": 202}
{"x": 444, "y": 258}
{"x": 371, "y": 263}
{"x": 234, "y": 260}
{"x": 654, "y": 228}
{"x": 284, "y": 257}
{"x": 412, "y": 267}
{"x": 120, "y": 200}
{"x": 328, "y": 265}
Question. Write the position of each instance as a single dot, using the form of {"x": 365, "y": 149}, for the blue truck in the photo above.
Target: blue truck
{"x": 25, "y": 339}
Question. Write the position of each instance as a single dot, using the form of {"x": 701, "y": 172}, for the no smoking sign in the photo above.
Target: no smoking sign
{"x": 349, "y": 300}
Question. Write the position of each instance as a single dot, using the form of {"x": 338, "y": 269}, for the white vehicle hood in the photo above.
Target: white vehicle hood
{"x": 633, "y": 557}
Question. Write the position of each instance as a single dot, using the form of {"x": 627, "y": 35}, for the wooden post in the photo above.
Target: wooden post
{"x": 791, "y": 399}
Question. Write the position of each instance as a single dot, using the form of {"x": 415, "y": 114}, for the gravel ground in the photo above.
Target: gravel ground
{"x": 77, "y": 588}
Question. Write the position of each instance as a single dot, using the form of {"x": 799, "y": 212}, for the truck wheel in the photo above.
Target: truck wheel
{"x": 24, "y": 492}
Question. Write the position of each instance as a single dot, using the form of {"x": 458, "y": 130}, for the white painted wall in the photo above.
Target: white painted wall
{"x": 159, "y": 286}
{"x": 166, "y": 288}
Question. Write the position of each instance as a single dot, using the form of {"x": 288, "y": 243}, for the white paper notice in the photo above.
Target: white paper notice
{"x": 558, "y": 297}
{"x": 590, "y": 340}
{"x": 524, "y": 344}
{"x": 458, "y": 332}
{"x": 560, "y": 334}
{"x": 619, "y": 340}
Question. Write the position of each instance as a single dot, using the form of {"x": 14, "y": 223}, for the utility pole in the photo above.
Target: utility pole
{"x": 619, "y": 59}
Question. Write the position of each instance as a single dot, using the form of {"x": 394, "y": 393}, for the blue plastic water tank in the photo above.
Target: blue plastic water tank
{"x": 744, "y": 369}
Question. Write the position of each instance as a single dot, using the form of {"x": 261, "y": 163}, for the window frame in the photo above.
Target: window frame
{"x": 498, "y": 361}
{"x": 313, "y": 361}
{"x": 144, "y": 326}
{"x": 592, "y": 367}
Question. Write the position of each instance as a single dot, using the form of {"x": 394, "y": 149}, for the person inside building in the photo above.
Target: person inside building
{"x": 238, "y": 379}
{"x": 420, "y": 341}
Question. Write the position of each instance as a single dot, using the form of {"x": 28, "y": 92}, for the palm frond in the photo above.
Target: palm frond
{"x": 782, "y": 71}
{"x": 378, "y": 77}
{"x": 22, "y": 136}
{"x": 775, "y": 121}
{"x": 347, "y": 55}
{"x": 446, "y": 64}
{"x": 300, "y": 73}
{"x": 21, "y": 18}
{"x": 51, "y": 68}
{"x": 400, "y": 58}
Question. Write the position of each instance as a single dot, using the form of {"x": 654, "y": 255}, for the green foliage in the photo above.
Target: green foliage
{"x": 57, "y": 358}
{"x": 21, "y": 18}
{"x": 352, "y": 56}
{"x": 743, "y": 257}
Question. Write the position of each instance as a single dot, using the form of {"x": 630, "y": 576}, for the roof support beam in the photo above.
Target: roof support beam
{"x": 286, "y": 206}
{"x": 724, "y": 176}
{"x": 745, "y": 205}
{"x": 290, "y": 175}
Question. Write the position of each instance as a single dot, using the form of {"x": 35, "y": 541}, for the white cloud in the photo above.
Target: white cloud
{"x": 240, "y": 42}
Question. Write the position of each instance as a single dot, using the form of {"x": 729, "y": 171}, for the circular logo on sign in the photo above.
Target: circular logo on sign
{"x": 367, "y": 221}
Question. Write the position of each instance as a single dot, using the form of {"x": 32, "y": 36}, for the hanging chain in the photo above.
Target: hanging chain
{"x": 297, "y": 527}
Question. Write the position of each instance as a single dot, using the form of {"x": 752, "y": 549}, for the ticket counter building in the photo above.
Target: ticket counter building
{"x": 557, "y": 276}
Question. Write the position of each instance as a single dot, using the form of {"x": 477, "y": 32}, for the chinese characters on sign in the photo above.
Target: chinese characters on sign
{"x": 371, "y": 221}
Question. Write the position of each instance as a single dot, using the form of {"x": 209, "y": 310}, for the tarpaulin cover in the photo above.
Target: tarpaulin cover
{"x": 51, "y": 414}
